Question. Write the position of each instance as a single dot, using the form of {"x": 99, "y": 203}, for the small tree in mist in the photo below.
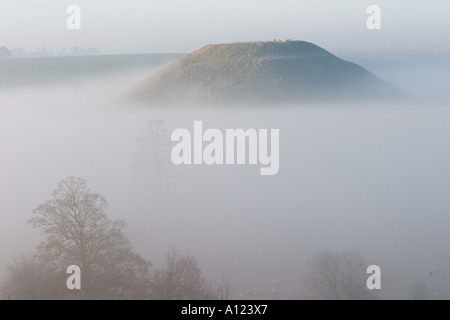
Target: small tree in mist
{"x": 223, "y": 290}
{"x": 338, "y": 276}
{"x": 419, "y": 291}
{"x": 153, "y": 151}
{"x": 180, "y": 278}
{"x": 79, "y": 232}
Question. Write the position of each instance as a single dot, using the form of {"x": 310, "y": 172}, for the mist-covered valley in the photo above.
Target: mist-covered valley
{"x": 370, "y": 177}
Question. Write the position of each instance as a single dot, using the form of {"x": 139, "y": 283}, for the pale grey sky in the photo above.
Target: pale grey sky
{"x": 184, "y": 25}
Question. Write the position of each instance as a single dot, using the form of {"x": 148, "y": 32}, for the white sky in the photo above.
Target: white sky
{"x": 120, "y": 26}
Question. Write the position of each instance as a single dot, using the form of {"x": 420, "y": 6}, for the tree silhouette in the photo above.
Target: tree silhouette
{"x": 419, "y": 291}
{"x": 80, "y": 233}
{"x": 223, "y": 290}
{"x": 30, "y": 278}
{"x": 338, "y": 276}
{"x": 180, "y": 278}
{"x": 153, "y": 151}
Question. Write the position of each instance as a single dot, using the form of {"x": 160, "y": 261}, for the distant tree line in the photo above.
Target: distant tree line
{"x": 6, "y": 53}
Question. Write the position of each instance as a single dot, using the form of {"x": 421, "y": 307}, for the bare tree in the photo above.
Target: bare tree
{"x": 180, "y": 278}
{"x": 79, "y": 232}
{"x": 153, "y": 151}
{"x": 338, "y": 276}
{"x": 223, "y": 290}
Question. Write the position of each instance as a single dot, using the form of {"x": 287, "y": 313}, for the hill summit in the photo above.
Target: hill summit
{"x": 260, "y": 73}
